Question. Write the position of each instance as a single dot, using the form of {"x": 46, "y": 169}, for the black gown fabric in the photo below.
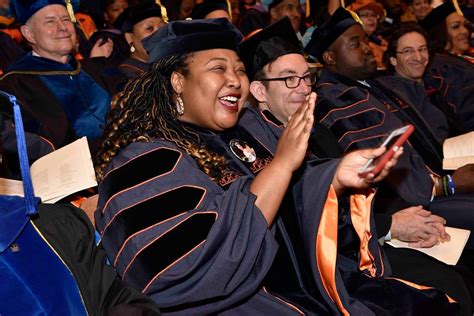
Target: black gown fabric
{"x": 453, "y": 78}
{"x": 415, "y": 94}
{"x": 132, "y": 68}
{"x": 121, "y": 48}
{"x": 360, "y": 116}
{"x": 68, "y": 231}
{"x": 255, "y": 18}
{"x": 200, "y": 246}
{"x": 193, "y": 245}
{"x": 10, "y": 52}
{"x": 405, "y": 264}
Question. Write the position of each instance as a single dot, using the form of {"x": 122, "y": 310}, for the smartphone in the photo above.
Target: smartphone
{"x": 392, "y": 142}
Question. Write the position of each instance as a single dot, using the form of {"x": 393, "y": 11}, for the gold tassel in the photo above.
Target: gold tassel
{"x": 70, "y": 11}
{"x": 354, "y": 15}
{"x": 308, "y": 8}
{"x": 164, "y": 13}
{"x": 229, "y": 9}
{"x": 458, "y": 9}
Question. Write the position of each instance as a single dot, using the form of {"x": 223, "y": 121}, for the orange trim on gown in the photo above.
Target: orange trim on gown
{"x": 360, "y": 217}
{"x": 421, "y": 287}
{"x": 326, "y": 248}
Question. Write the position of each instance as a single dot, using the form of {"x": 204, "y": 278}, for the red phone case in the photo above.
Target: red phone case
{"x": 391, "y": 151}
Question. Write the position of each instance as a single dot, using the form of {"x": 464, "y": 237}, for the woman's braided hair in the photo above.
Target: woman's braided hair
{"x": 146, "y": 110}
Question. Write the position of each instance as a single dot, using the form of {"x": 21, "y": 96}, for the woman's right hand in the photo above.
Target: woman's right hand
{"x": 293, "y": 142}
{"x": 347, "y": 173}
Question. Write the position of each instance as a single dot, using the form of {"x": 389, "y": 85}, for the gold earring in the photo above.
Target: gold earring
{"x": 132, "y": 48}
{"x": 179, "y": 105}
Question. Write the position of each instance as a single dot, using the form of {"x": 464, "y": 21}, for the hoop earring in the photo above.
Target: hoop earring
{"x": 132, "y": 48}
{"x": 179, "y": 105}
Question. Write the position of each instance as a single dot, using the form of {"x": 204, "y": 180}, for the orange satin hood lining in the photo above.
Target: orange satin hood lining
{"x": 326, "y": 248}
{"x": 360, "y": 217}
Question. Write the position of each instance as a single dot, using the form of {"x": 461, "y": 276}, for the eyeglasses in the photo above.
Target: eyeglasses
{"x": 292, "y": 82}
{"x": 412, "y": 51}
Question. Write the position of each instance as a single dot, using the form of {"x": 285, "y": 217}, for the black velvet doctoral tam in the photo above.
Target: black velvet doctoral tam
{"x": 24, "y": 9}
{"x": 329, "y": 32}
{"x": 207, "y": 6}
{"x": 265, "y": 46}
{"x": 182, "y": 37}
{"x": 132, "y": 15}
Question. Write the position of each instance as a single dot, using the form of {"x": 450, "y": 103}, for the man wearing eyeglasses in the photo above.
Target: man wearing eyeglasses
{"x": 282, "y": 79}
{"x": 360, "y": 112}
{"x": 282, "y": 86}
{"x": 407, "y": 58}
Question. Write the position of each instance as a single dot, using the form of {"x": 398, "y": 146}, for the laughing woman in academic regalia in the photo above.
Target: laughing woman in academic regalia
{"x": 189, "y": 194}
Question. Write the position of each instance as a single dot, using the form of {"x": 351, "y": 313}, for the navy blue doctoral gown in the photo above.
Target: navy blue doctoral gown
{"x": 360, "y": 119}
{"x": 200, "y": 246}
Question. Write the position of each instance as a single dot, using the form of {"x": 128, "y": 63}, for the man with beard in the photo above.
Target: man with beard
{"x": 360, "y": 113}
